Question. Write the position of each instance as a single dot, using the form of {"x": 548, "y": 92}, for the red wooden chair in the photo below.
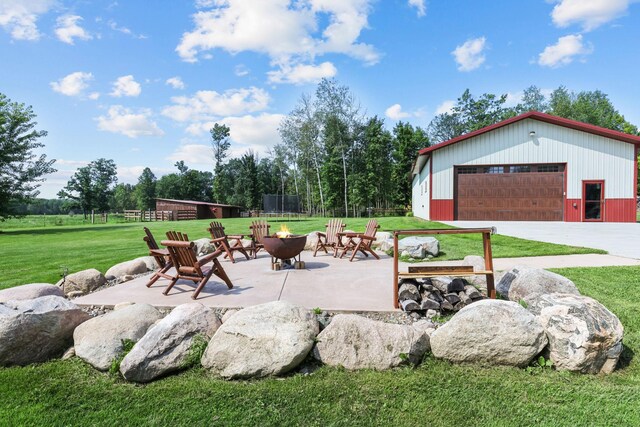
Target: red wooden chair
{"x": 361, "y": 242}
{"x": 330, "y": 238}
{"x": 259, "y": 229}
{"x": 221, "y": 241}
{"x": 187, "y": 266}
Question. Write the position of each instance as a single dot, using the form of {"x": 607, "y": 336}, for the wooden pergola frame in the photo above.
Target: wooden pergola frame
{"x": 435, "y": 271}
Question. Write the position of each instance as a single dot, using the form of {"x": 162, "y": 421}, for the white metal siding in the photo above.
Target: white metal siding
{"x": 587, "y": 156}
{"x": 420, "y": 193}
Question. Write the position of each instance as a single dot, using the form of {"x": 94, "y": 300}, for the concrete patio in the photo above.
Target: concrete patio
{"x": 330, "y": 284}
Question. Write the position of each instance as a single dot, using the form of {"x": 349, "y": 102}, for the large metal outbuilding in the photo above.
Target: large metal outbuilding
{"x": 533, "y": 167}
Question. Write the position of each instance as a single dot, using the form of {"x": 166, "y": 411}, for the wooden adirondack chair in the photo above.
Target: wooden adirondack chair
{"x": 259, "y": 229}
{"x": 178, "y": 236}
{"x": 189, "y": 267}
{"x": 330, "y": 238}
{"x": 361, "y": 242}
{"x": 160, "y": 255}
{"x": 221, "y": 241}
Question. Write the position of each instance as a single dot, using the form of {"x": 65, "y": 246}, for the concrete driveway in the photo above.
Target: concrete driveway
{"x": 622, "y": 239}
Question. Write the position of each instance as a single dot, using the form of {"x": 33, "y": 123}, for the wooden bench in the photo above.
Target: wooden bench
{"x": 419, "y": 272}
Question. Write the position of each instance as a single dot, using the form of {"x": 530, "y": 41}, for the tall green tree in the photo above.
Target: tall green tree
{"x": 21, "y": 169}
{"x": 123, "y": 197}
{"x": 145, "y": 192}
{"x": 220, "y": 144}
{"x": 406, "y": 143}
{"x": 91, "y": 187}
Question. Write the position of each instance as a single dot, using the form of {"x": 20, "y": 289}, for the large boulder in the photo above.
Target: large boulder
{"x": 492, "y": 332}
{"x": 430, "y": 245}
{"x": 204, "y": 246}
{"x": 127, "y": 268}
{"x": 525, "y": 283}
{"x": 381, "y": 237}
{"x": 100, "y": 340}
{"x": 85, "y": 281}
{"x": 263, "y": 340}
{"x": 384, "y": 245}
{"x": 356, "y": 342}
{"x": 165, "y": 347}
{"x": 312, "y": 241}
{"x": 477, "y": 262}
{"x": 583, "y": 335}
{"x": 30, "y": 291}
{"x": 150, "y": 262}
{"x": 36, "y": 330}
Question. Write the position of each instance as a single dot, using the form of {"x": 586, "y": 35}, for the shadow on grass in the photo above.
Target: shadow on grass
{"x": 625, "y": 358}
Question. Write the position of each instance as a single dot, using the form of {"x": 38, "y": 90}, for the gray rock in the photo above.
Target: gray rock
{"x": 127, "y": 268}
{"x": 381, "y": 238}
{"x": 430, "y": 245}
{"x": 491, "y": 332}
{"x": 122, "y": 305}
{"x": 263, "y": 340}
{"x": 417, "y": 252}
{"x": 99, "y": 341}
{"x": 431, "y": 314}
{"x": 583, "y": 335}
{"x": 149, "y": 261}
{"x": 37, "y": 330}
{"x": 166, "y": 346}
{"x": 384, "y": 245}
{"x": 356, "y": 342}
{"x": 71, "y": 352}
{"x": 312, "y": 241}
{"x": 30, "y": 291}
{"x": 478, "y": 265}
{"x": 524, "y": 283}
{"x": 204, "y": 246}
{"x": 408, "y": 291}
{"x": 452, "y": 298}
{"x": 85, "y": 281}
{"x": 227, "y": 314}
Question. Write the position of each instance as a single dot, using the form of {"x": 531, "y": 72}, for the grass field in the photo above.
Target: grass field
{"x": 436, "y": 393}
{"x": 40, "y": 254}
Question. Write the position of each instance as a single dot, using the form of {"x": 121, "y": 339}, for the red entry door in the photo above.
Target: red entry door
{"x": 593, "y": 200}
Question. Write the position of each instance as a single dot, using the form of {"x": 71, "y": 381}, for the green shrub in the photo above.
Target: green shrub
{"x": 198, "y": 346}
{"x": 127, "y": 345}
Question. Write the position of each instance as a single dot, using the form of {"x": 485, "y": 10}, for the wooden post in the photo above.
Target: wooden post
{"x": 93, "y": 219}
{"x": 395, "y": 270}
{"x": 488, "y": 265}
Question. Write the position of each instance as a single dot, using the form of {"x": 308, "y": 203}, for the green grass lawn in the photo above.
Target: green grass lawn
{"x": 436, "y": 393}
{"x": 40, "y": 254}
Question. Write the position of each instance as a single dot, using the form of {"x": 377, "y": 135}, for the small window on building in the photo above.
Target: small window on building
{"x": 494, "y": 169}
{"x": 520, "y": 169}
{"x": 548, "y": 168}
{"x": 467, "y": 170}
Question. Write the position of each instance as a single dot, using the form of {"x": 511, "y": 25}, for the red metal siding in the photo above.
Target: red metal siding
{"x": 620, "y": 210}
{"x": 573, "y": 213}
{"x": 441, "y": 210}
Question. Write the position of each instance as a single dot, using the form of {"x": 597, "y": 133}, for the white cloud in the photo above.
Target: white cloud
{"x": 199, "y": 154}
{"x": 94, "y": 95}
{"x": 124, "y": 30}
{"x": 305, "y": 30}
{"x": 419, "y": 5}
{"x": 67, "y": 29}
{"x": 122, "y": 120}
{"x": 469, "y": 55}
{"x": 258, "y": 133}
{"x": 241, "y": 70}
{"x": 588, "y": 13}
{"x": 564, "y": 51}
{"x": 302, "y": 73}
{"x": 209, "y": 104}
{"x": 126, "y": 86}
{"x": 73, "y": 84}
{"x": 445, "y": 107}
{"x": 175, "y": 82}
{"x": 19, "y": 17}
{"x": 395, "y": 112}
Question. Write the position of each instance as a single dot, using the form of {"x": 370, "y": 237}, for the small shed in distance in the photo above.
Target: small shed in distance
{"x": 190, "y": 209}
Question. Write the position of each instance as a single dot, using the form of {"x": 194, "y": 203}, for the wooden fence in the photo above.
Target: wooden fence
{"x": 137, "y": 215}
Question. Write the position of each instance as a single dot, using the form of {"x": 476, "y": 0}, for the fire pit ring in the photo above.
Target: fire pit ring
{"x": 285, "y": 249}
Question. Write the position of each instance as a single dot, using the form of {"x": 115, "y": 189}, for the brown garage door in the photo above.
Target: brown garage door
{"x": 510, "y": 193}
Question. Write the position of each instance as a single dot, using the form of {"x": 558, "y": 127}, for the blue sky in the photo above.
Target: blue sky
{"x": 140, "y": 82}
